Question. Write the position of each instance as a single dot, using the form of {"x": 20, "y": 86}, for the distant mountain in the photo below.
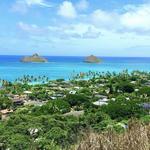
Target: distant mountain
{"x": 92, "y": 59}
{"x": 34, "y": 58}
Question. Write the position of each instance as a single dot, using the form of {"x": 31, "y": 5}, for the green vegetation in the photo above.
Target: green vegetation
{"x": 56, "y": 114}
{"x": 5, "y": 102}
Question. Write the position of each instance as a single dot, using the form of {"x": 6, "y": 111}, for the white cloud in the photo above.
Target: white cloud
{"x": 22, "y": 6}
{"x": 91, "y": 33}
{"x": 27, "y": 27}
{"x": 81, "y": 30}
{"x": 32, "y": 29}
{"x": 37, "y": 2}
{"x": 133, "y": 19}
{"x": 137, "y": 18}
{"x": 82, "y": 5}
{"x": 67, "y": 10}
{"x": 104, "y": 19}
{"x": 64, "y": 31}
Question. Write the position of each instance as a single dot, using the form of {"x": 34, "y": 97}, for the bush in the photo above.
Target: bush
{"x": 5, "y": 102}
{"x": 48, "y": 108}
{"x": 44, "y": 144}
{"x": 94, "y": 119}
{"x": 145, "y": 90}
{"x": 76, "y": 99}
{"x": 126, "y": 87}
{"x": 60, "y": 80}
{"x": 19, "y": 142}
{"x": 58, "y": 135}
{"x": 122, "y": 108}
{"x": 62, "y": 106}
{"x": 85, "y": 91}
{"x": 52, "y": 107}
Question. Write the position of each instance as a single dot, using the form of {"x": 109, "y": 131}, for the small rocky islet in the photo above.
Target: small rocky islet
{"x": 92, "y": 59}
{"x": 34, "y": 58}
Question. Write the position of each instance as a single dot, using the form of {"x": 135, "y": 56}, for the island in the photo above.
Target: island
{"x": 92, "y": 59}
{"x": 34, "y": 58}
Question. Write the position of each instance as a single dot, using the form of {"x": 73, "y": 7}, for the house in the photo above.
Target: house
{"x": 53, "y": 85}
{"x": 113, "y": 99}
{"x": 77, "y": 87}
{"x": 101, "y": 102}
{"x": 35, "y": 103}
{"x": 18, "y": 101}
{"x": 136, "y": 90}
{"x": 72, "y": 92}
{"x": 100, "y": 96}
{"x": 133, "y": 82}
{"x": 53, "y": 97}
{"x": 27, "y": 92}
{"x": 147, "y": 83}
{"x": 75, "y": 113}
{"x": 5, "y": 113}
{"x": 59, "y": 95}
{"x": 146, "y": 106}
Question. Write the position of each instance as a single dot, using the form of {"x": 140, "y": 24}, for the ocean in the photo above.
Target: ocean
{"x": 65, "y": 67}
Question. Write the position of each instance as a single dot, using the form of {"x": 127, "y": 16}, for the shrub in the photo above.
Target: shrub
{"x": 145, "y": 90}
{"x": 125, "y": 87}
{"x": 5, "y": 102}
{"x": 94, "y": 119}
{"x": 45, "y": 144}
{"x": 60, "y": 80}
{"x": 51, "y": 107}
{"x": 122, "y": 108}
{"x": 19, "y": 142}
{"x": 58, "y": 135}
{"x": 76, "y": 99}
{"x": 62, "y": 106}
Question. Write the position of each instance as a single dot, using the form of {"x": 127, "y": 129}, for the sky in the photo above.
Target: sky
{"x": 75, "y": 27}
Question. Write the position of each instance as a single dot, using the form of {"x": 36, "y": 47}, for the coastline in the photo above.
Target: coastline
{"x": 65, "y": 67}
{"x": 57, "y": 110}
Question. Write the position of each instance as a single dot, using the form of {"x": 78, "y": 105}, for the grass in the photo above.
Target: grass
{"x": 136, "y": 137}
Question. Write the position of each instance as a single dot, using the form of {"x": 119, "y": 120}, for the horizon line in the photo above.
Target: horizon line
{"x": 75, "y": 56}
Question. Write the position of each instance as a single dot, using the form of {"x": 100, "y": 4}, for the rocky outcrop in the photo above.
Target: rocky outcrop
{"x": 34, "y": 58}
{"x": 92, "y": 59}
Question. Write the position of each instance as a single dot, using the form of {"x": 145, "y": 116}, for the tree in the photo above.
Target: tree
{"x": 76, "y": 99}
{"x": 94, "y": 119}
{"x": 145, "y": 90}
{"x": 5, "y": 102}
{"x": 62, "y": 106}
{"x": 125, "y": 87}
{"x": 52, "y": 107}
{"x": 58, "y": 135}
{"x": 19, "y": 142}
{"x": 123, "y": 108}
{"x": 46, "y": 144}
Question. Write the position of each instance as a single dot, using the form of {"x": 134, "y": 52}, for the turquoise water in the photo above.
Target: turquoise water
{"x": 65, "y": 67}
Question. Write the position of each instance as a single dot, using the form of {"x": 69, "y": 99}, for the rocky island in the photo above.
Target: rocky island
{"x": 34, "y": 58}
{"x": 92, "y": 59}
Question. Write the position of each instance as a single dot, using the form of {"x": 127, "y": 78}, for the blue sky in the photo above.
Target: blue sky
{"x": 75, "y": 27}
